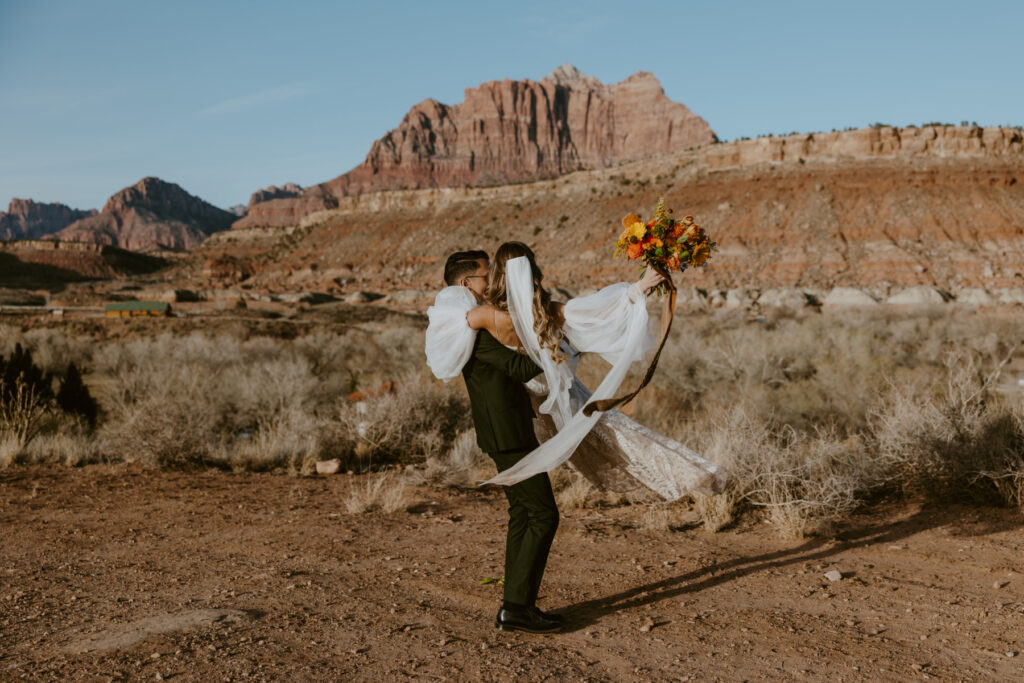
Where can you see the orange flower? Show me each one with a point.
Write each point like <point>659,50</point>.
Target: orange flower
<point>634,250</point>
<point>673,262</point>
<point>630,219</point>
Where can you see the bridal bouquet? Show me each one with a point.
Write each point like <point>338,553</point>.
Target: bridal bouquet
<point>664,243</point>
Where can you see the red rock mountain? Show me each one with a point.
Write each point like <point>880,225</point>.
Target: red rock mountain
<point>879,207</point>
<point>273,192</point>
<point>151,214</point>
<point>26,219</point>
<point>509,132</point>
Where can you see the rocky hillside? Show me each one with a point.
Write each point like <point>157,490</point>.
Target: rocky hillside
<point>509,132</point>
<point>26,219</point>
<point>49,263</point>
<point>152,214</point>
<point>881,208</point>
<point>273,192</point>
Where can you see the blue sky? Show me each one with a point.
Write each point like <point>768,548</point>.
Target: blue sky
<point>226,97</point>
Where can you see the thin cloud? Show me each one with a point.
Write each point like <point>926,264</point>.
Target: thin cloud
<point>257,99</point>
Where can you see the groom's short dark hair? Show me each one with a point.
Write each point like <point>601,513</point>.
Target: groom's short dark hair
<point>462,263</point>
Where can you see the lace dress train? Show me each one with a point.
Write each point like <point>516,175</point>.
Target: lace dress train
<point>621,455</point>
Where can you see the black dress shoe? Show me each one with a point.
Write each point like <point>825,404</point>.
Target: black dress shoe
<point>525,619</point>
<point>552,616</point>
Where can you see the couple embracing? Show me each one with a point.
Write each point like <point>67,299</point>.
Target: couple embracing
<point>496,325</point>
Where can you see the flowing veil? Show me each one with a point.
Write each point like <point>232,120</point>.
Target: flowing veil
<point>613,323</point>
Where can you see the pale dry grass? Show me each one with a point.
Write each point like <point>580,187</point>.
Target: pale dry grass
<point>386,492</point>
<point>23,413</point>
<point>10,449</point>
<point>464,466</point>
<point>68,444</point>
<point>665,517</point>
<point>573,491</point>
<point>715,512</point>
<point>289,440</point>
<point>943,438</point>
<point>810,414</point>
<point>413,424</point>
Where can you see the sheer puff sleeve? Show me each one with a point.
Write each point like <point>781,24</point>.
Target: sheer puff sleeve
<point>449,338</point>
<point>612,322</point>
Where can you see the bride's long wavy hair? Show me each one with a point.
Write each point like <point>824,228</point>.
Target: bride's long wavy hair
<point>547,327</point>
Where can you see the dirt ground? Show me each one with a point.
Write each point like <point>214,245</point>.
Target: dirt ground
<point>112,572</point>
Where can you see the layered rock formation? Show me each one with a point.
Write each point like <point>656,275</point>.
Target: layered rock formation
<point>273,192</point>
<point>509,132</point>
<point>874,142</point>
<point>876,208</point>
<point>26,219</point>
<point>45,263</point>
<point>152,214</point>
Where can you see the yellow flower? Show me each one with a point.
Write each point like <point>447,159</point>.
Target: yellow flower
<point>637,230</point>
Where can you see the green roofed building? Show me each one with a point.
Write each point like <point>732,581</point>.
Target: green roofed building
<point>125,309</point>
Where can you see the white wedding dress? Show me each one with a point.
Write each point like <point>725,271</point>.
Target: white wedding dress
<point>611,450</point>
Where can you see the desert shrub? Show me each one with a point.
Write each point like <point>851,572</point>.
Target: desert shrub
<point>384,491</point>
<point>795,476</point>
<point>572,489</point>
<point>67,443</point>
<point>953,437</point>
<point>409,425</point>
<point>74,397</point>
<point>290,440</point>
<point>26,400</point>
<point>463,466</point>
<point>664,517</point>
<point>23,411</point>
<point>53,349</point>
<point>19,366</point>
<point>170,425</point>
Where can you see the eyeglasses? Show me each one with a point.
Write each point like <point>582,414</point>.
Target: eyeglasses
<point>483,276</point>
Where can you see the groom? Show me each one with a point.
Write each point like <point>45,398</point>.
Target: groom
<point>503,416</point>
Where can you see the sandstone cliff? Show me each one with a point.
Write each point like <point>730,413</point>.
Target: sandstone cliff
<point>26,219</point>
<point>152,214</point>
<point>273,192</point>
<point>878,207</point>
<point>510,132</point>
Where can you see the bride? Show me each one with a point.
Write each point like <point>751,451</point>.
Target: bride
<point>609,449</point>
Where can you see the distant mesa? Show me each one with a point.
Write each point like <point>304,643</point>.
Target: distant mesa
<point>237,209</point>
<point>273,192</point>
<point>49,263</point>
<point>509,131</point>
<point>26,219</point>
<point>152,214</point>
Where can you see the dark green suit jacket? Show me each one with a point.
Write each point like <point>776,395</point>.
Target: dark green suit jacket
<point>502,413</point>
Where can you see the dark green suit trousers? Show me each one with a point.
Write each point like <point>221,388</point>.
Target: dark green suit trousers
<point>532,522</point>
<point>503,418</point>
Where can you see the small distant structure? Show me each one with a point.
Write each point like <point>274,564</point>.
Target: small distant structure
<point>129,309</point>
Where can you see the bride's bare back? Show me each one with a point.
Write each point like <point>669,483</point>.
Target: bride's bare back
<point>499,323</point>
